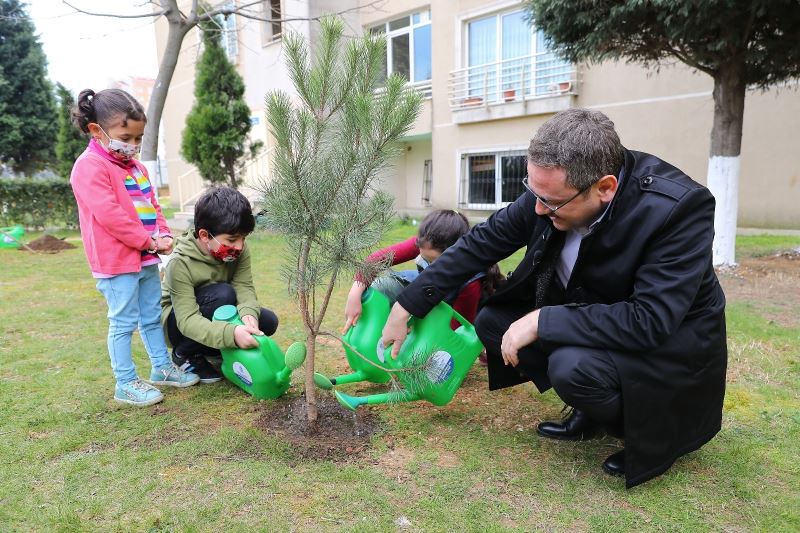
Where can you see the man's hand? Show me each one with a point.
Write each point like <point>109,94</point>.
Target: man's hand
<point>352,309</point>
<point>243,336</point>
<point>520,333</point>
<point>396,329</point>
<point>164,245</point>
<point>252,322</point>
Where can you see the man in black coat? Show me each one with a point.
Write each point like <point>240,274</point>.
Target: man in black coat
<point>615,305</point>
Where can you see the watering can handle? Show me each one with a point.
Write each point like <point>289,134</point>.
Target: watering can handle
<point>463,321</point>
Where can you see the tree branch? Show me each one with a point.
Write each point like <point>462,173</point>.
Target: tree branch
<point>144,15</point>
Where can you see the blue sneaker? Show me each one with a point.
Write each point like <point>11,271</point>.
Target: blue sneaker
<point>138,393</point>
<point>173,376</point>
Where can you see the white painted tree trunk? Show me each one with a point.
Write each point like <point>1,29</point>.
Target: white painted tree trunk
<point>723,182</point>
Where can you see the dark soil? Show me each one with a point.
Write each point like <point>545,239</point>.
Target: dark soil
<point>47,243</point>
<point>340,435</point>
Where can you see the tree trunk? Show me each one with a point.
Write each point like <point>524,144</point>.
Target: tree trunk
<point>177,31</point>
<point>311,390</point>
<point>724,159</point>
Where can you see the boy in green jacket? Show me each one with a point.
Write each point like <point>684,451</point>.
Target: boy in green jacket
<point>210,267</point>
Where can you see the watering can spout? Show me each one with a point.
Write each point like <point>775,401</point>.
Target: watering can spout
<point>354,402</point>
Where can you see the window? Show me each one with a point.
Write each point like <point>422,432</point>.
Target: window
<point>228,37</point>
<point>271,31</point>
<point>491,180</point>
<point>427,182</point>
<point>505,60</point>
<point>408,46</point>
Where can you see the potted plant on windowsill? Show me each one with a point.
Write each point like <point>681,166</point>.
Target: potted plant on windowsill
<point>509,95</point>
<point>472,100</point>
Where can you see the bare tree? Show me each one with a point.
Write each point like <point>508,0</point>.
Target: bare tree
<point>179,24</point>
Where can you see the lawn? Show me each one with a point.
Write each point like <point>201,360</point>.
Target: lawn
<point>74,460</point>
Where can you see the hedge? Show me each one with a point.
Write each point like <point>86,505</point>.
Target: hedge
<point>37,203</point>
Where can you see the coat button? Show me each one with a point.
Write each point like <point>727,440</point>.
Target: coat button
<point>646,182</point>
<point>429,292</point>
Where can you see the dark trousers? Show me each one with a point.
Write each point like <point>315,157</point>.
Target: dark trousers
<point>584,378</point>
<point>209,298</point>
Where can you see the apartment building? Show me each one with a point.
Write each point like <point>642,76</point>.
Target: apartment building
<point>489,81</point>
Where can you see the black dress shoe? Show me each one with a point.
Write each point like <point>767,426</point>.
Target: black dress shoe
<point>577,426</point>
<point>615,464</point>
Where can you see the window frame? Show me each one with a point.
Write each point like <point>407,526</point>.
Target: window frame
<point>464,178</point>
<point>268,35</point>
<point>383,29</point>
<point>497,85</point>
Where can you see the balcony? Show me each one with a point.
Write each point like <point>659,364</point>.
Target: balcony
<point>538,83</point>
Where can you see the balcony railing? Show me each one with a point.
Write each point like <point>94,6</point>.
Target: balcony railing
<point>530,77</point>
<point>424,87</point>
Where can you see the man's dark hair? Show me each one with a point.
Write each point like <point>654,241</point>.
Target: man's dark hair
<point>223,210</point>
<point>581,141</point>
<point>441,229</point>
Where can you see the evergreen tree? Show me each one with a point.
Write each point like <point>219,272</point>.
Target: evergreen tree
<point>70,142</point>
<point>27,107</point>
<point>329,150</point>
<point>216,137</point>
<point>739,43</point>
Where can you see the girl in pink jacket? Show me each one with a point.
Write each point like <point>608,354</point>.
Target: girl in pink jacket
<point>123,231</point>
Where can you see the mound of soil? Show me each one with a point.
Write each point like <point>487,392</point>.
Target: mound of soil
<point>339,436</point>
<point>48,243</point>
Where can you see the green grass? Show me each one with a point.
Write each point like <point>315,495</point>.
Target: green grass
<point>760,245</point>
<point>73,460</point>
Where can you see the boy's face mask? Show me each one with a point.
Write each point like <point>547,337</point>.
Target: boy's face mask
<point>421,263</point>
<point>119,149</point>
<point>224,252</point>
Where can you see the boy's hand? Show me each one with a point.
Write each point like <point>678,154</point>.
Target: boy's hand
<point>243,336</point>
<point>164,245</point>
<point>252,322</point>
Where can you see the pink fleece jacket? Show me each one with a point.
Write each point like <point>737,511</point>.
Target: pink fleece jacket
<point>113,234</point>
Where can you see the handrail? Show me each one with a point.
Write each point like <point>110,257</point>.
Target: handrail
<point>541,75</point>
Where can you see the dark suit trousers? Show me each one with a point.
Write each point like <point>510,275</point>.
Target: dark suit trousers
<point>209,298</point>
<point>584,378</point>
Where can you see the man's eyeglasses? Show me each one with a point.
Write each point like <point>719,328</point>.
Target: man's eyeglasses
<point>544,202</point>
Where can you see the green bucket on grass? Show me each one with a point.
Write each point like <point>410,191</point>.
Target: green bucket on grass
<point>11,237</point>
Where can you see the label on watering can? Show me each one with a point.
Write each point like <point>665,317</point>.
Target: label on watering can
<point>379,350</point>
<point>240,370</point>
<point>439,367</point>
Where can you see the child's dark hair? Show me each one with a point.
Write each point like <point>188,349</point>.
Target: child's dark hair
<point>105,107</point>
<point>441,229</point>
<point>223,210</point>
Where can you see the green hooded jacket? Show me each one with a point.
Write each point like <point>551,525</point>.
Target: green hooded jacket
<point>190,268</point>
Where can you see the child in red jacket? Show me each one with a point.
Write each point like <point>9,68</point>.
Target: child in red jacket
<point>123,231</point>
<point>438,231</point>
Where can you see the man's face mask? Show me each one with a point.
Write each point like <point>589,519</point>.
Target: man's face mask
<point>119,149</point>
<point>225,253</point>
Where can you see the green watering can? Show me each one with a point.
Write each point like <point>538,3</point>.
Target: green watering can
<point>11,237</point>
<point>433,360</point>
<point>263,372</point>
<point>365,337</point>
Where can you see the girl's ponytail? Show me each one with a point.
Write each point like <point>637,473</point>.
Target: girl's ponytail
<point>83,113</point>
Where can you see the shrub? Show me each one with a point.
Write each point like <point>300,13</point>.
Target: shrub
<point>37,203</point>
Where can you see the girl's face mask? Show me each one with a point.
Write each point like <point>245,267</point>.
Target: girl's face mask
<point>225,253</point>
<point>119,149</point>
